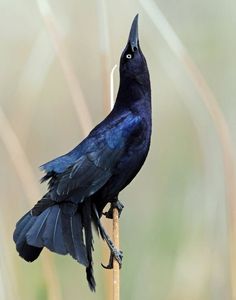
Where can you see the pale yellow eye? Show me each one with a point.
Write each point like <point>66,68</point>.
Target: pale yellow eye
<point>129,56</point>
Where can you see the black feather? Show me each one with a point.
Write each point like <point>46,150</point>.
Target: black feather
<point>34,235</point>
<point>42,204</point>
<point>87,223</point>
<point>73,237</point>
<point>29,253</point>
<point>52,236</point>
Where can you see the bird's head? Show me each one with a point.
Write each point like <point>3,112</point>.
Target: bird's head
<point>132,62</point>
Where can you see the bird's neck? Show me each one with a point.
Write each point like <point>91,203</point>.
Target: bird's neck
<point>132,90</point>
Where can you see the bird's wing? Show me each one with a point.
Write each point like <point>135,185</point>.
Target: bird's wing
<point>87,175</point>
<point>94,168</point>
<point>61,163</point>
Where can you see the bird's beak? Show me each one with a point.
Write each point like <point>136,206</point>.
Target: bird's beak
<point>133,35</point>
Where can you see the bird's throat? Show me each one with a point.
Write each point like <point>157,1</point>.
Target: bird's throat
<point>133,90</point>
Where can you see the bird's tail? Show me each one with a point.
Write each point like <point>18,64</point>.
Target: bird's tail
<point>62,229</point>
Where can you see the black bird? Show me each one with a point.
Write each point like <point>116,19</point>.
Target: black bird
<point>83,181</point>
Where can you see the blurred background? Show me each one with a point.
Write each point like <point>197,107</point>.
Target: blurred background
<point>56,57</point>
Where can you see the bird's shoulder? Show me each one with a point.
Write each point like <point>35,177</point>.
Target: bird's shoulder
<point>116,129</point>
<point>112,133</point>
<point>96,158</point>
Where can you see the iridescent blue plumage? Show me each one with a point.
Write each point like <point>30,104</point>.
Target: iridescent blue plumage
<point>83,181</point>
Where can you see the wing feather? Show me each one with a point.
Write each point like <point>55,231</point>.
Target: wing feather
<point>95,164</point>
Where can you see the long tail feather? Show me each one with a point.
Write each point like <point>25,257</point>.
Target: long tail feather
<point>61,228</point>
<point>29,253</point>
<point>53,236</point>
<point>87,223</point>
<point>73,237</point>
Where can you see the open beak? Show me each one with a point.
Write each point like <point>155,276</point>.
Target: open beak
<point>133,35</point>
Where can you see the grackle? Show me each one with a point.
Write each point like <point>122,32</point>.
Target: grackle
<point>83,181</point>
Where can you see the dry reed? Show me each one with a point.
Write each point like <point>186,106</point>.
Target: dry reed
<point>116,267</point>
<point>28,181</point>
<point>77,96</point>
<point>211,105</point>
<point>31,82</point>
<point>116,232</point>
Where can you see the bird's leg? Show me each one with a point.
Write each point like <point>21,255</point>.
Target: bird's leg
<point>109,214</point>
<point>114,204</point>
<point>115,253</point>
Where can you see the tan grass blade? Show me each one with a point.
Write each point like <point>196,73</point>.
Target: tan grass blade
<point>211,211</point>
<point>30,83</point>
<point>28,181</point>
<point>77,96</point>
<point>216,114</point>
<point>9,288</point>
<point>104,46</point>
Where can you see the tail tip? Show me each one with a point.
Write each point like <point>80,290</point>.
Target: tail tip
<point>90,279</point>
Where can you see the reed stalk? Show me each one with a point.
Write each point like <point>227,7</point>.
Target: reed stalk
<point>116,267</point>
<point>116,231</point>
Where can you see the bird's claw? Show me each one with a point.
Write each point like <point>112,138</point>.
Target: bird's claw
<point>118,255</point>
<point>116,204</point>
<point>108,267</point>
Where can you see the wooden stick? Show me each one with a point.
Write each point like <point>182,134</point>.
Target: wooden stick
<point>116,267</point>
<point>116,231</point>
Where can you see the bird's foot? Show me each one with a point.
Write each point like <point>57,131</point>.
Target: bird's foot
<point>118,255</point>
<point>114,204</point>
<point>115,253</point>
